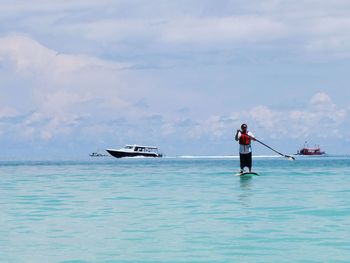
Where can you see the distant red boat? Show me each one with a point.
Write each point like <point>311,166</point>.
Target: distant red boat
<point>310,151</point>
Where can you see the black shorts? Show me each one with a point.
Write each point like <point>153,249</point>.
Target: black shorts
<point>245,160</point>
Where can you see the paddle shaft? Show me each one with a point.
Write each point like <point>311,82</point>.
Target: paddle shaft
<point>271,148</point>
<point>284,155</point>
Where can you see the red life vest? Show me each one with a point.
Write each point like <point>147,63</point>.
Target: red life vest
<point>244,139</point>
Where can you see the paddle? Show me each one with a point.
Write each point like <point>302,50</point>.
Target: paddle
<point>284,155</point>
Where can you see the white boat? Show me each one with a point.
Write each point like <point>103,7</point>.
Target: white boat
<point>135,150</point>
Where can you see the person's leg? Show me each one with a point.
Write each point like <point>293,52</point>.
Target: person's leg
<point>241,161</point>
<point>249,161</point>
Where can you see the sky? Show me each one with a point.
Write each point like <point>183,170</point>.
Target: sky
<point>83,76</point>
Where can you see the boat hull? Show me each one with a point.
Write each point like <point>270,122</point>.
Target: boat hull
<point>310,154</point>
<point>311,151</point>
<point>121,154</point>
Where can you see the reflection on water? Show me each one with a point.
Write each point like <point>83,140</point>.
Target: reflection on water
<point>244,197</point>
<point>245,182</point>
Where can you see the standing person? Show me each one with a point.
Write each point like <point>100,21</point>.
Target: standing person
<point>244,137</point>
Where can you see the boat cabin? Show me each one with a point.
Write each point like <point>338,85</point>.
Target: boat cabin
<point>138,148</point>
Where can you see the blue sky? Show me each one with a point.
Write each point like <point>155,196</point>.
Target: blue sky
<point>81,76</point>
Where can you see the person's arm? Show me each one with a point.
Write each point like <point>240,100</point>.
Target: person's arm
<point>251,135</point>
<point>237,135</point>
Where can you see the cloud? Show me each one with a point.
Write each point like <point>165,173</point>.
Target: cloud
<point>42,6</point>
<point>213,30</point>
<point>321,118</point>
<point>321,98</point>
<point>143,27</point>
<point>61,88</point>
<point>30,57</point>
<point>329,33</point>
<point>160,34</point>
<point>215,126</point>
<point>7,112</point>
<point>40,126</point>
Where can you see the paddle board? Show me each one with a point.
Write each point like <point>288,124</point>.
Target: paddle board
<point>247,174</point>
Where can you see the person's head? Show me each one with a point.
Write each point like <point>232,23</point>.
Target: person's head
<point>244,127</point>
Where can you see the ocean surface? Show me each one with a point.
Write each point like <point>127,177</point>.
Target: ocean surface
<point>175,210</point>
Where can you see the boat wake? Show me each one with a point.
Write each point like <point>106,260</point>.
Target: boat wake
<point>220,156</point>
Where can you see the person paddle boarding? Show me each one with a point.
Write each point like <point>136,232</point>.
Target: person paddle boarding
<point>244,138</point>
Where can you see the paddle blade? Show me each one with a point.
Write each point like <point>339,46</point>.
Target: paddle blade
<point>290,158</point>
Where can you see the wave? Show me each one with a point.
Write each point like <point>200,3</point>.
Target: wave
<point>221,156</point>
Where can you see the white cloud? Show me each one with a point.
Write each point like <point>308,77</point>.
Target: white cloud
<point>231,29</point>
<point>265,117</point>
<point>329,33</point>
<point>61,87</point>
<point>36,6</point>
<point>309,27</point>
<point>28,56</point>
<point>6,112</point>
<point>66,89</point>
<point>320,119</point>
<point>167,34</point>
<point>116,30</point>
<point>322,102</point>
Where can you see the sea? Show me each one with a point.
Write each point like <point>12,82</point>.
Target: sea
<point>181,209</point>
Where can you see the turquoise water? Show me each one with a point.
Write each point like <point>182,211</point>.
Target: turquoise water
<point>175,210</point>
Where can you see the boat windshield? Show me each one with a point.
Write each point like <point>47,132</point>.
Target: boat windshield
<point>129,147</point>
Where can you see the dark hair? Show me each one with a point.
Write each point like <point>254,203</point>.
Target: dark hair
<point>244,126</point>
